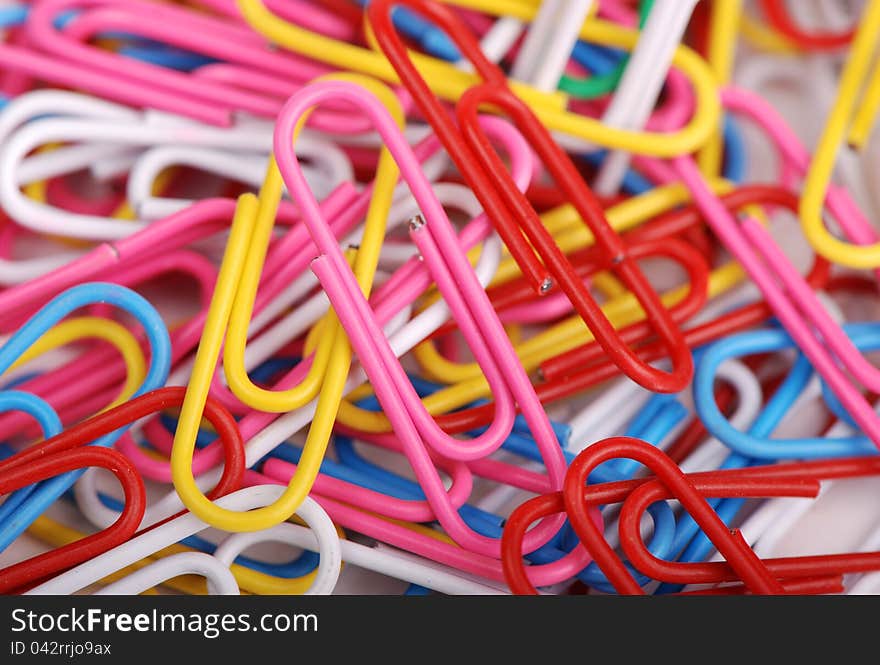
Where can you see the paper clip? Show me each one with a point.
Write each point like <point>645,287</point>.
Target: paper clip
<point>202,219</point>
<point>676,221</point>
<point>368,339</point>
<point>656,424</point>
<point>48,316</point>
<point>412,279</point>
<point>466,376</point>
<point>864,336</point>
<point>450,82</point>
<point>105,84</point>
<point>188,29</point>
<point>15,477</point>
<point>250,575</point>
<point>808,474</point>
<point>107,129</point>
<point>388,561</point>
<point>428,543</point>
<point>433,211</point>
<point>642,81</point>
<point>781,21</point>
<point>788,402</point>
<point>228,448</point>
<point>517,303</point>
<point>232,306</point>
<point>220,578</point>
<point>851,118</point>
<point>587,367</point>
<point>103,386</point>
<point>329,168</point>
<point>367,486</point>
<point>753,247</point>
<point>548,43</point>
<point>51,456</point>
<point>750,405</point>
<point>772,521</point>
<point>246,76</point>
<point>573,502</point>
<point>103,369</point>
<point>172,531</point>
<point>502,201</point>
<point>604,66</point>
<point>377,558</point>
<point>707,452</point>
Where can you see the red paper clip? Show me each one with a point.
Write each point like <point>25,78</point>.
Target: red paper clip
<point>513,216</point>
<point>585,367</point>
<point>573,362</point>
<point>69,450</point>
<point>18,473</point>
<point>719,571</point>
<point>579,500</point>
<point>816,41</point>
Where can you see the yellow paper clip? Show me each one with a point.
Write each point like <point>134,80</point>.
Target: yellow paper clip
<point>851,119</point>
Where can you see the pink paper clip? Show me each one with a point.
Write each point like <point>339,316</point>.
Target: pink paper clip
<point>79,65</point>
<point>792,299</point>
<point>390,383</point>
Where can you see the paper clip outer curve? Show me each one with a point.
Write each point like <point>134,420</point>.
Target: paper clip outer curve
<point>16,475</point>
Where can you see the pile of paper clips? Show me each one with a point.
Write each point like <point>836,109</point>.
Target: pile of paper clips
<point>456,296</point>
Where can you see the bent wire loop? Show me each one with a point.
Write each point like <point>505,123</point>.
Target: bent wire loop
<point>808,474</point>
<point>575,371</point>
<point>160,87</point>
<point>786,292</point>
<point>574,502</point>
<point>850,119</point>
<point>511,213</point>
<point>467,378</point>
<point>73,448</point>
<point>15,474</point>
<point>246,76</point>
<point>332,359</point>
<point>451,271</point>
<point>805,574</point>
<point>172,531</point>
<point>160,357</point>
<point>779,17</point>
<point>450,82</point>
<point>570,362</point>
<point>864,336</point>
